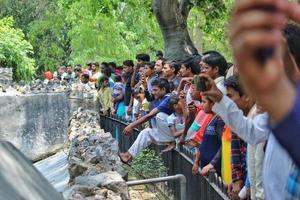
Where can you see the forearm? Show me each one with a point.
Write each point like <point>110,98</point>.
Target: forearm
<point>178,134</point>
<point>132,82</point>
<point>131,102</point>
<point>118,98</point>
<point>188,122</point>
<point>197,157</point>
<point>180,86</point>
<point>144,118</point>
<point>253,131</point>
<point>173,130</point>
<point>217,158</point>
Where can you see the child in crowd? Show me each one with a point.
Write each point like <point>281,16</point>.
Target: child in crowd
<point>210,146</point>
<point>196,130</point>
<point>176,119</point>
<point>106,71</point>
<point>118,97</point>
<point>143,106</point>
<point>105,95</point>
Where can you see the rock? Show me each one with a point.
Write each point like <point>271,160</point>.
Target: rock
<point>79,192</point>
<point>109,180</point>
<point>95,168</point>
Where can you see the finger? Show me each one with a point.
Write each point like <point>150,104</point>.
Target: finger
<point>210,82</point>
<point>208,78</point>
<point>244,5</point>
<point>250,41</point>
<point>209,93</point>
<point>256,19</point>
<point>294,12</point>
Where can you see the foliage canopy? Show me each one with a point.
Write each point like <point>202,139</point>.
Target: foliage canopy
<point>79,31</point>
<point>15,51</point>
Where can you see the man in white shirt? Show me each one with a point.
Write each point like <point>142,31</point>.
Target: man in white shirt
<point>277,163</point>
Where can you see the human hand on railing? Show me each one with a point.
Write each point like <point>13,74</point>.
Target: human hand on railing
<point>182,140</point>
<point>205,170</point>
<point>129,110</point>
<point>128,130</point>
<point>236,188</point>
<point>113,111</point>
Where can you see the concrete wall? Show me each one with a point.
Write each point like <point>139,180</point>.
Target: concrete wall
<point>35,123</point>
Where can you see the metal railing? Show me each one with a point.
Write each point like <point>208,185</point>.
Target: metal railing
<point>178,161</point>
<point>180,177</point>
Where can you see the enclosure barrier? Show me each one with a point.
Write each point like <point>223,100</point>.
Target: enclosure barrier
<point>178,161</point>
<point>179,177</point>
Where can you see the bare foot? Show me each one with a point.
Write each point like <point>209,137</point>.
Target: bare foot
<point>169,147</point>
<point>125,157</point>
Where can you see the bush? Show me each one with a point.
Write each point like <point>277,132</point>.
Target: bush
<point>15,51</point>
<point>149,164</point>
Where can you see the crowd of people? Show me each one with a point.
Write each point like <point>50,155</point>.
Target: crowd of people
<point>241,119</point>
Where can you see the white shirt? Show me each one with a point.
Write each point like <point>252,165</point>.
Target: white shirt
<point>277,163</point>
<point>220,84</point>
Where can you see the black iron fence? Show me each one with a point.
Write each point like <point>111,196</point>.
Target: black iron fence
<point>178,161</point>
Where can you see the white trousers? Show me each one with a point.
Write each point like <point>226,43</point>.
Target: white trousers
<point>255,165</point>
<point>155,135</point>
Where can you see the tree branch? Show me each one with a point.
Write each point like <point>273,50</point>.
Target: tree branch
<point>185,6</point>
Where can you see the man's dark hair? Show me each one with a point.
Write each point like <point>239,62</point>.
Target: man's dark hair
<point>119,67</point>
<point>97,64</point>
<point>155,82</point>
<point>128,63</point>
<point>292,35</point>
<point>162,59</point>
<point>215,59</point>
<point>150,64</point>
<point>192,64</point>
<point>164,83</point>
<point>234,83</point>
<point>107,71</point>
<point>69,65</point>
<point>143,57</point>
<point>86,76</point>
<point>112,64</point>
<point>105,64</point>
<point>78,66</point>
<point>160,54</point>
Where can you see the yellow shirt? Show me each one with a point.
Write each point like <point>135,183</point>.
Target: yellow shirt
<point>105,98</point>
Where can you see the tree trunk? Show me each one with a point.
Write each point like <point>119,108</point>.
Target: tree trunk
<point>196,35</point>
<point>172,19</point>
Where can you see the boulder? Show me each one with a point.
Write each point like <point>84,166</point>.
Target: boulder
<point>95,168</point>
<point>100,184</point>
